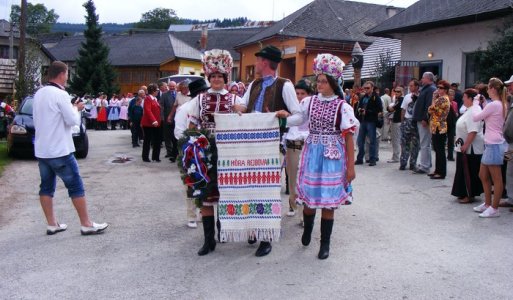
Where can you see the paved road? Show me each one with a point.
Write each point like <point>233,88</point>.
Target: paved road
<point>405,237</point>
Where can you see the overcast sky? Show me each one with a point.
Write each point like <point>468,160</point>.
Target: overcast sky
<point>127,11</point>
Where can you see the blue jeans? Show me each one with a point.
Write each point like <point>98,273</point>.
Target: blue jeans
<point>66,168</point>
<point>367,129</point>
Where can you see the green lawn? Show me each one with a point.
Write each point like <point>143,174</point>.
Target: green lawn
<point>4,159</point>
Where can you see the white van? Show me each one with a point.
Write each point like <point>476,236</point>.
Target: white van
<point>179,78</point>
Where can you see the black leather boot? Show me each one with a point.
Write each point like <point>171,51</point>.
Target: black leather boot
<point>307,230</point>
<point>209,232</point>
<point>326,228</point>
<point>218,226</point>
<point>264,249</point>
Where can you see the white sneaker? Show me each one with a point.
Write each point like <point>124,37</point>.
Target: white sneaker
<point>480,208</point>
<point>95,229</point>
<point>490,212</point>
<point>291,212</point>
<point>192,224</point>
<point>55,229</point>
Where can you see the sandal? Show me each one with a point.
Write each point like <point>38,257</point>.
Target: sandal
<point>465,200</point>
<point>437,176</point>
<point>431,174</point>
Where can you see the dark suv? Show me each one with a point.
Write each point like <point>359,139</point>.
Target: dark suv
<point>21,135</point>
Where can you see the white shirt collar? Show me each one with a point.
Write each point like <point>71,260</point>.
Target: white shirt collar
<point>322,98</point>
<point>222,92</point>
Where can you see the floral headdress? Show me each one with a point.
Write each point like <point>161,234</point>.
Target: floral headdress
<point>217,61</point>
<point>328,64</point>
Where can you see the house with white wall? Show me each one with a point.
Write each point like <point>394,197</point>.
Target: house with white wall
<point>442,36</point>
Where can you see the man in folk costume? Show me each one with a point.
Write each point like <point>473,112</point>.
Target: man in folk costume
<point>199,114</point>
<point>271,93</point>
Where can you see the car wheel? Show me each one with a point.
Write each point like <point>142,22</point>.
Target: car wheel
<point>84,148</point>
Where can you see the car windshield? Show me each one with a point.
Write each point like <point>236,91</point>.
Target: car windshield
<point>26,107</point>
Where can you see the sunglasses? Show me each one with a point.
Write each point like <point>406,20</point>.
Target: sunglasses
<point>367,88</point>
<point>398,91</point>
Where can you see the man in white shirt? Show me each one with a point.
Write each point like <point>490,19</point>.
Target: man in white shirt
<point>410,145</point>
<point>271,93</point>
<point>54,116</point>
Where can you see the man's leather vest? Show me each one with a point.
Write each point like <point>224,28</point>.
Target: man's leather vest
<point>273,98</point>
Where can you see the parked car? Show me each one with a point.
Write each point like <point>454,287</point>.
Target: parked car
<point>21,135</point>
<point>179,78</point>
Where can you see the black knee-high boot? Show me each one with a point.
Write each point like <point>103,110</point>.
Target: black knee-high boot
<point>218,226</point>
<point>307,230</point>
<point>208,231</point>
<point>326,228</point>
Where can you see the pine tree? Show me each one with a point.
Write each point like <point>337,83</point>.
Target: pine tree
<point>93,72</point>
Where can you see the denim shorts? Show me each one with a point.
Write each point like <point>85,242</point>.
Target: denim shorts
<point>66,168</point>
<point>493,154</point>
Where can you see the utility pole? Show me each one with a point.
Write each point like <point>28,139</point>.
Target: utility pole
<point>11,41</point>
<point>21,49</point>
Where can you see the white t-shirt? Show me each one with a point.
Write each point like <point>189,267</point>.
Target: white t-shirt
<point>408,109</point>
<point>464,126</point>
<point>54,116</point>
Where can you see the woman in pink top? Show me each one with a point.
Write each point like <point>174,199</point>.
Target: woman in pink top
<point>493,115</point>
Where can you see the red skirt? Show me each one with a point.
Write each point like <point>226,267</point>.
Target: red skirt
<point>102,115</point>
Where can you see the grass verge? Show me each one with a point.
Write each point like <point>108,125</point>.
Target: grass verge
<point>4,159</point>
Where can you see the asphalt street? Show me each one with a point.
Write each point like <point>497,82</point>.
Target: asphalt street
<point>404,237</point>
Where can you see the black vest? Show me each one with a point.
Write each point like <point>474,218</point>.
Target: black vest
<point>273,98</point>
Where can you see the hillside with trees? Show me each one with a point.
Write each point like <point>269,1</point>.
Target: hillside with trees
<point>119,28</point>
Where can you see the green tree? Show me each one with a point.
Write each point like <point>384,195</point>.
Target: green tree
<point>27,84</point>
<point>384,68</point>
<point>158,18</point>
<point>496,60</point>
<point>93,73</point>
<point>39,18</point>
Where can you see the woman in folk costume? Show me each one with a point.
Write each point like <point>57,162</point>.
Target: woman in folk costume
<point>93,113</point>
<point>123,111</point>
<point>217,65</point>
<point>102,112</point>
<point>326,166</point>
<point>114,111</point>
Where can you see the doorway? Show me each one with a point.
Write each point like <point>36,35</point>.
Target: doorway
<point>434,67</point>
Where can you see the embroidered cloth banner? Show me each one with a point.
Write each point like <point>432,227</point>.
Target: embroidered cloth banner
<point>248,175</point>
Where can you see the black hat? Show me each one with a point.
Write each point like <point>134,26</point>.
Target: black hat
<point>197,86</point>
<point>303,85</point>
<point>270,52</point>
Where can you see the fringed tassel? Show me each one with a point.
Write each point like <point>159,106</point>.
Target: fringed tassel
<point>243,235</point>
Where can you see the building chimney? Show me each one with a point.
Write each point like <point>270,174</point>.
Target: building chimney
<point>204,38</point>
<point>392,11</point>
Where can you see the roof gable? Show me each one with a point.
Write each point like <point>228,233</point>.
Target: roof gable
<point>336,20</point>
<point>371,57</point>
<point>426,14</point>
<point>183,50</point>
